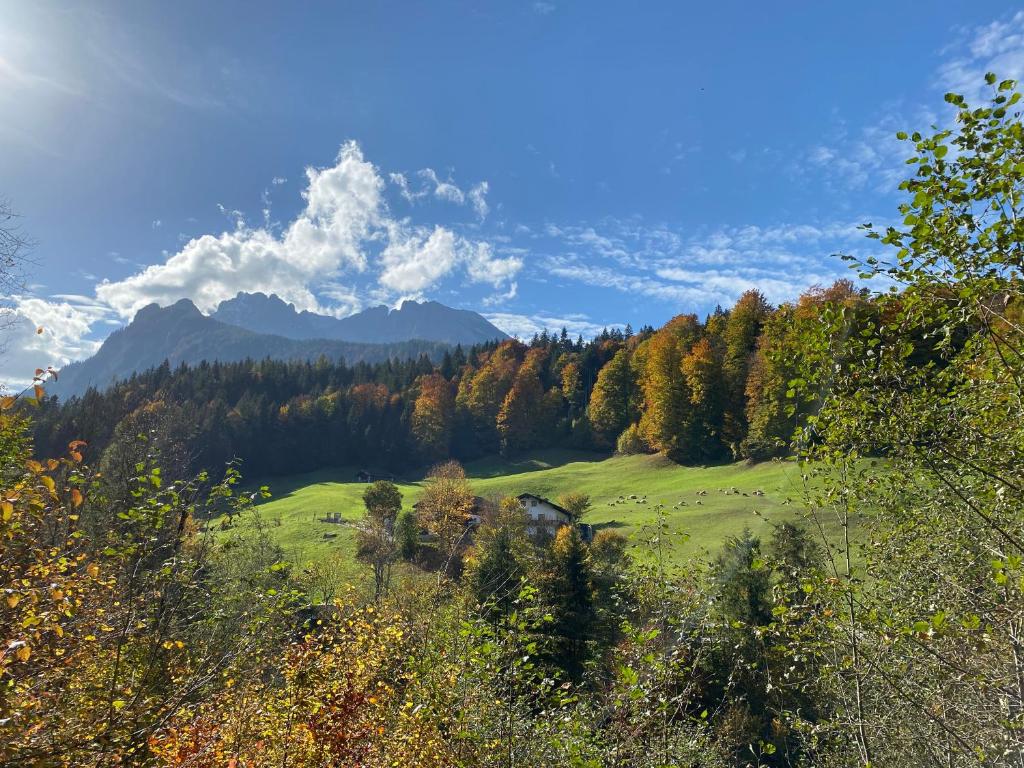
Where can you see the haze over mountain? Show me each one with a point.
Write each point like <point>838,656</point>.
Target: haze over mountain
<point>181,333</point>
<point>426,321</point>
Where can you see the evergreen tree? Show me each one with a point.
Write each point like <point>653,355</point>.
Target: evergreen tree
<point>502,555</point>
<point>568,591</point>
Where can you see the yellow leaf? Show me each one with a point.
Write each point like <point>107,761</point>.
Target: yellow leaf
<point>50,485</point>
<point>93,570</point>
<point>76,497</point>
<point>13,600</point>
<point>6,510</point>
<point>23,652</point>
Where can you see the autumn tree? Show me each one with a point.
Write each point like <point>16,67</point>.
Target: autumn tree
<point>482,393</point>
<point>433,416</point>
<point>612,403</point>
<point>742,329</point>
<point>444,508</point>
<point>798,344</point>
<point>702,370</point>
<point>668,415</point>
<point>576,502</point>
<point>573,388</point>
<point>519,419</point>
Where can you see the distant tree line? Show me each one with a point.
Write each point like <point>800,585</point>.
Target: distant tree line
<point>697,392</point>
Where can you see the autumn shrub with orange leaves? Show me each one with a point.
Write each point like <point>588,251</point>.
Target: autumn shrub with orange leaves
<point>325,699</point>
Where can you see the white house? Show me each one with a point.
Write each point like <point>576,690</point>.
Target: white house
<point>545,517</point>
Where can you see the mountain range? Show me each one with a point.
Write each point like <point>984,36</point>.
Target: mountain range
<point>426,321</point>
<point>257,326</point>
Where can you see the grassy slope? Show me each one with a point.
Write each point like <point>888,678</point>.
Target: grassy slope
<point>301,501</point>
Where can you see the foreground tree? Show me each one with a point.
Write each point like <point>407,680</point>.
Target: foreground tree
<point>927,657</point>
<point>567,589</point>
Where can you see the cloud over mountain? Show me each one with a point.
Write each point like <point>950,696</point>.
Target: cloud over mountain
<point>345,231</point>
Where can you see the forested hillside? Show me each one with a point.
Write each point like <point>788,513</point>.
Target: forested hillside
<point>696,391</point>
<point>148,618</point>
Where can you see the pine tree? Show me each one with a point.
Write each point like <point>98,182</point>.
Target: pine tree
<point>568,591</point>
<point>501,561</point>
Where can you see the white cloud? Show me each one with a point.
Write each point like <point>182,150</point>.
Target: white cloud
<point>872,158</point>
<point>442,189</point>
<point>478,197</point>
<point>346,219</point>
<point>781,260</point>
<point>417,258</point>
<point>414,261</point>
<point>344,230</point>
<point>65,323</point>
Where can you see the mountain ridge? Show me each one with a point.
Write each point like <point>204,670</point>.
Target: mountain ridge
<point>180,333</point>
<point>425,321</point>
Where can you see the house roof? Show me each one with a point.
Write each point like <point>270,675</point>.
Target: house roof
<point>549,502</point>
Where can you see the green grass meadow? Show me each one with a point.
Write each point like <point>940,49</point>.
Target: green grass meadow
<point>708,504</point>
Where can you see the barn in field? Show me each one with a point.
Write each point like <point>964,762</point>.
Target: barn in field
<point>366,476</point>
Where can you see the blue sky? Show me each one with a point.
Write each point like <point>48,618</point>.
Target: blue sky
<point>545,163</point>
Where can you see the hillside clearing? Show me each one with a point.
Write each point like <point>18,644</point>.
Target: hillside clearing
<point>708,504</point>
